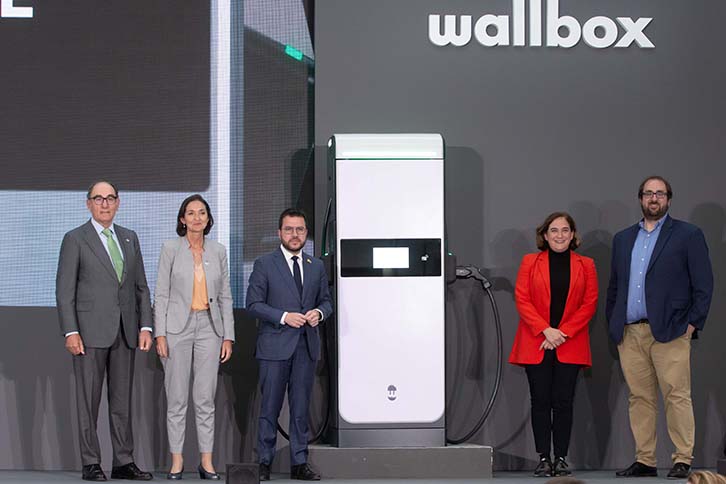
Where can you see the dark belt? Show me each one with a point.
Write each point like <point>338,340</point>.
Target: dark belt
<point>640,321</point>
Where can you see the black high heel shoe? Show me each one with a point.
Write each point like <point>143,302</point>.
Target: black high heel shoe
<point>203,474</point>
<point>175,476</point>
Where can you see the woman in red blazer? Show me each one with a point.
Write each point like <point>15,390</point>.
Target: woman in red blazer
<point>556,296</point>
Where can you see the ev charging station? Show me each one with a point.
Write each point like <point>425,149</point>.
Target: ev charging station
<point>389,342</point>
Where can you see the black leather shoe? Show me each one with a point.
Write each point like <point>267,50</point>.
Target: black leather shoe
<point>130,472</point>
<point>544,468</point>
<point>680,470</point>
<point>561,468</point>
<point>93,472</point>
<point>175,476</point>
<point>304,472</point>
<point>638,470</point>
<point>203,474</point>
<point>264,472</point>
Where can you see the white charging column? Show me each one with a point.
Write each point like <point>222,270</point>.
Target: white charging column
<point>390,289</point>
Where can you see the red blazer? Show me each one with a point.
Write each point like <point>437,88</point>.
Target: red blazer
<point>532,295</point>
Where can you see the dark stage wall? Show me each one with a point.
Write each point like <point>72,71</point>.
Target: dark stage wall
<point>530,130</point>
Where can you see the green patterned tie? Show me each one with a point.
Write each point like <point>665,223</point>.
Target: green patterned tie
<point>118,261</point>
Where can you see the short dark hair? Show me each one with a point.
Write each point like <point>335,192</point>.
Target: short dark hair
<point>669,190</point>
<point>181,229</point>
<point>544,226</point>
<point>93,185</point>
<point>292,212</point>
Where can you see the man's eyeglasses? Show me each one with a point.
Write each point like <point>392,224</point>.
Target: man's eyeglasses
<point>98,199</point>
<point>297,230</point>
<point>660,195</point>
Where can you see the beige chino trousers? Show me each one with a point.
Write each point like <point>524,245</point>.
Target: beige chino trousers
<point>648,365</point>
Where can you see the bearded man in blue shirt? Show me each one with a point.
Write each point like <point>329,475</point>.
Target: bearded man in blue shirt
<point>658,298</point>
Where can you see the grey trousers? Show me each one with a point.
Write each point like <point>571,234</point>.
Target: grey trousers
<point>197,347</point>
<point>117,364</point>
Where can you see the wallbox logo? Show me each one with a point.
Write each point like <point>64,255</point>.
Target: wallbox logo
<point>8,10</point>
<point>561,31</point>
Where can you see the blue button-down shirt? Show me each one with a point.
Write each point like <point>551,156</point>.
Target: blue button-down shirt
<point>639,260</point>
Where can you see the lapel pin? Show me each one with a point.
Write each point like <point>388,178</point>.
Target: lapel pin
<point>308,261</point>
<point>127,240</point>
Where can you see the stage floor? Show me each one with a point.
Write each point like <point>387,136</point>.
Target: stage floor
<point>591,477</point>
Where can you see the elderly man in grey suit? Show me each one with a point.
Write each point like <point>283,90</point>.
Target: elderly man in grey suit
<point>104,310</point>
<point>288,294</point>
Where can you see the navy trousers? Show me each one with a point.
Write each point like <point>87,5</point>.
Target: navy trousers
<point>295,374</point>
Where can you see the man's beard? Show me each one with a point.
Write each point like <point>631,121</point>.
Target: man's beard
<point>286,245</point>
<point>654,215</point>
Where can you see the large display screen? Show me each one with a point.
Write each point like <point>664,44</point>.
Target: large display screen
<point>94,90</point>
<point>149,94</point>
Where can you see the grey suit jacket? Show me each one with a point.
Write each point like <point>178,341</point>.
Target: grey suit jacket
<point>89,296</point>
<point>174,286</point>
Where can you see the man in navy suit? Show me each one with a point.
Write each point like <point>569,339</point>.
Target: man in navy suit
<point>288,294</point>
<point>659,295</point>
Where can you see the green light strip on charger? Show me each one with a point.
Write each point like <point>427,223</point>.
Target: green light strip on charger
<point>293,52</point>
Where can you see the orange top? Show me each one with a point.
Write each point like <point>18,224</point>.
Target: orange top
<point>200,299</point>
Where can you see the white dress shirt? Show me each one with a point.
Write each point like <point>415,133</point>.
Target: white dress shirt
<point>99,229</point>
<point>288,258</point>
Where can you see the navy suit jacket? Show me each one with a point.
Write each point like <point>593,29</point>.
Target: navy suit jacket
<point>272,291</point>
<point>678,282</point>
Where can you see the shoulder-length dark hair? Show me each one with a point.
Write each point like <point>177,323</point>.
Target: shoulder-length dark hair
<point>181,229</point>
<point>542,230</point>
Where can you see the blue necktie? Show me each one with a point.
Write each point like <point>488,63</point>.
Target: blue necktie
<point>296,274</point>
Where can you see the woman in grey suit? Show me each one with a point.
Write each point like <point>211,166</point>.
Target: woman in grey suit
<point>194,328</point>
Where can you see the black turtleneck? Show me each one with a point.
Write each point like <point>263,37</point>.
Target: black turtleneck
<point>559,284</point>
